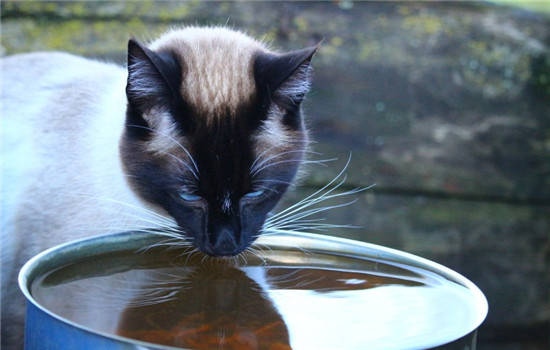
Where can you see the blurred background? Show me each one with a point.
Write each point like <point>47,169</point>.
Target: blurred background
<point>445,106</point>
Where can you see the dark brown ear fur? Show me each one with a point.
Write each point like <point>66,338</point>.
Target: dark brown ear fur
<point>284,75</point>
<point>153,77</point>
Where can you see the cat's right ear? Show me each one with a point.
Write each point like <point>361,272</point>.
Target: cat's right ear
<point>153,77</point>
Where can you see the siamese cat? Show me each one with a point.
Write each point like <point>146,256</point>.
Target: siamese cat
<point>199,137</point>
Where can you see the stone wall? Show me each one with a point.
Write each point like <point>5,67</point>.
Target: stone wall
<point>445,106</point>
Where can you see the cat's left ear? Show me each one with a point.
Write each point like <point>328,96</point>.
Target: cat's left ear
<point>286,77</point>
<point>153,77</point>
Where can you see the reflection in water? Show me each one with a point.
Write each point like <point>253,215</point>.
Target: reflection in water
<point>325,303</point>
<point>221,308</point>
<point>224,307</point>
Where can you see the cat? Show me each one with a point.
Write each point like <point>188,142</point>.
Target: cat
<point>199,137</point>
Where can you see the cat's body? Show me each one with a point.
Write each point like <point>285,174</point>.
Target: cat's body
<point>206,138</point>
<point>61,167</point>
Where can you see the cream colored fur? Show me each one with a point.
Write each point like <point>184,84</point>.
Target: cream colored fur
<point>62,118</point>
<point>222,61</point>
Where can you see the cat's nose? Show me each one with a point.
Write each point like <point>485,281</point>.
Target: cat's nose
<point>225,243</point>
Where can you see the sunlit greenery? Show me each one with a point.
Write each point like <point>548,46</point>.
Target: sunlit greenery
<point>539,6</point>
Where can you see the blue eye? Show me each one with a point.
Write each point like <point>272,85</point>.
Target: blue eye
<point>254,194</point>
<point>188,197</point>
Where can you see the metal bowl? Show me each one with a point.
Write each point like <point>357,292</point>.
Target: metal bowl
<point>401,314</point>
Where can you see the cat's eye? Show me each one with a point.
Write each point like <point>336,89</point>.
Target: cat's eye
<point>254,194</point>
<point>188,197</point>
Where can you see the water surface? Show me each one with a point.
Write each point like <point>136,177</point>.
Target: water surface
<point>290,300</point>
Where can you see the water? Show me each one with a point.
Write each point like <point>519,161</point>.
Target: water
<point>283,300</point>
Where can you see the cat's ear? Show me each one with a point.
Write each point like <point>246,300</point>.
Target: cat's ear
<point>153,77</point>
<point>287,76</point>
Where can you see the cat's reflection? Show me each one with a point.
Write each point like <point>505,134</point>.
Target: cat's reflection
<point>220,307</point>
<point>212,304</point>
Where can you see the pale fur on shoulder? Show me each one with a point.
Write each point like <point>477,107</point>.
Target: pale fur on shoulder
<point>62,117</point>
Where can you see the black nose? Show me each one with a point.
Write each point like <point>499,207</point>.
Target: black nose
<point>224,242</point>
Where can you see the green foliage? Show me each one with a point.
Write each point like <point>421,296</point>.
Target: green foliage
<point>542,6</point>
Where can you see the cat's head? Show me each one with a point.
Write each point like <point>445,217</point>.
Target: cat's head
<point>214,131</point>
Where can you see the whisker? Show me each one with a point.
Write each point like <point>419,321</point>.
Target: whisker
<point>301,161</point>
<point>242,256</point>
<point>169,243</point>
<point>194,171</point>
<point>272,181</point>
<point>140,219</point>
<point>193,251</point>
<point>304,203</point>
<point>257,167</point>
<point>296,218</point>
<point>184,163</point>
<point>275,146</point>
<point>316,193</point>
<point>257,187</point>
<point>300,211</point>
<point>257,252</point>
<point>165,224</point>
<point>140,209</point>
